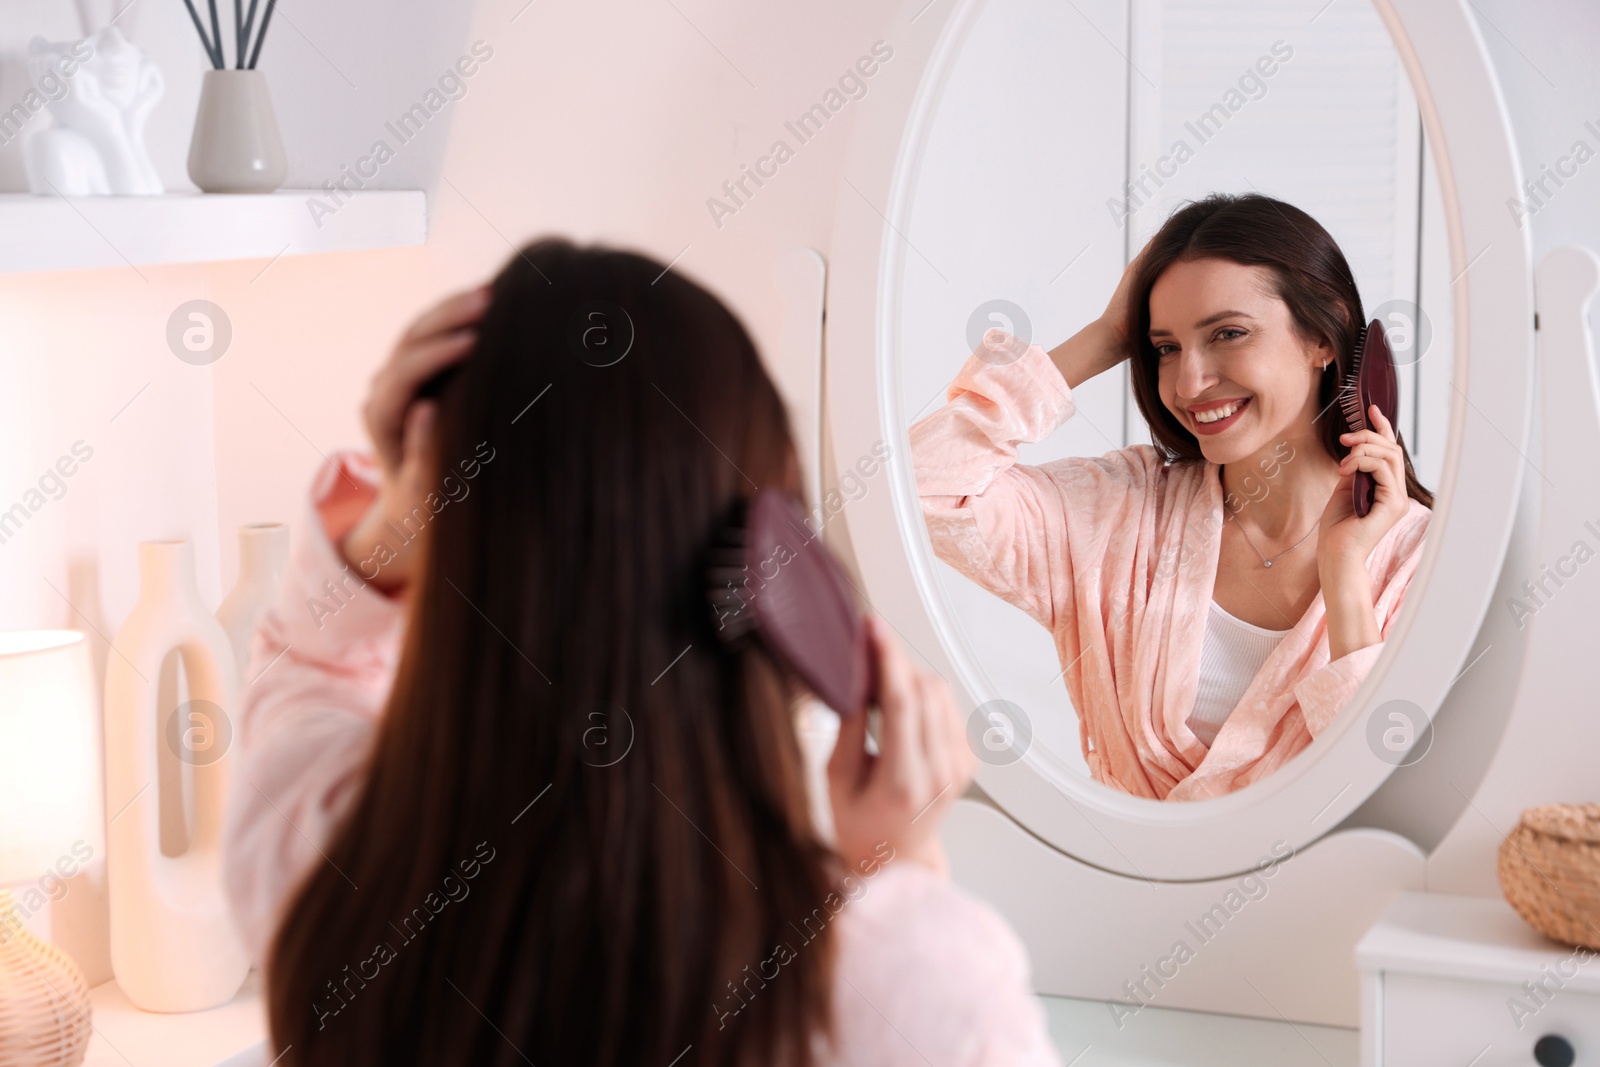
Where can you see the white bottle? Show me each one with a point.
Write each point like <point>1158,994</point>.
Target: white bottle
<point>263,553</point>
<point>174,945</point>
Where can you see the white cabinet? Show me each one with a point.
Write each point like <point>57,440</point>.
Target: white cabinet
<point>1457,981</point>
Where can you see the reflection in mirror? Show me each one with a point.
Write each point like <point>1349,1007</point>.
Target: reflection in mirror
<point>1134,478</point>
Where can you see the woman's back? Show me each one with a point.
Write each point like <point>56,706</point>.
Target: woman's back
<point>626,791</point>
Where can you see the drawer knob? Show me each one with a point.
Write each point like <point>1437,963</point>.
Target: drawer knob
<point>1552,1050</point>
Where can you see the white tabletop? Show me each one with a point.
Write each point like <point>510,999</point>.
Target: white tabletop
<point>1469,937</point>
<point>124,1036</point>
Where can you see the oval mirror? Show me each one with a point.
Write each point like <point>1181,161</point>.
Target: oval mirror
<point>1144,691</point>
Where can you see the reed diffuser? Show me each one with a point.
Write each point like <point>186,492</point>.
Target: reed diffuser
<point>235,147</point>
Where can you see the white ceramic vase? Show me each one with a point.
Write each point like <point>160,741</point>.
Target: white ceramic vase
<point>174,945</point>
<point>235,147</point>
<point>263,553</point>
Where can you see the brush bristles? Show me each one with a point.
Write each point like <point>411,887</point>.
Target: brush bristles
<point>1350,393</point>
<point>728,585</point>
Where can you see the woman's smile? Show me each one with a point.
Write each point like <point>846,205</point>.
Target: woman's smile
<point>1206,420</point>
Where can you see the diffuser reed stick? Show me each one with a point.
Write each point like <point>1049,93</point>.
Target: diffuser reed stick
<point>244,36</point>
<point>216,31</point>
<point>211,51</point>
<point>244,29</point>
<point>266,17</point>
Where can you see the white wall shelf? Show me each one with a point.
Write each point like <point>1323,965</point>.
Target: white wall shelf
<point>44,233</point>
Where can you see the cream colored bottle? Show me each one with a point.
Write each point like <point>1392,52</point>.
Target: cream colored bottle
<point>174,944</point>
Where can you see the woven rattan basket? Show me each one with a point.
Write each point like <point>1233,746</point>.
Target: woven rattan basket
<point>1550,871</point>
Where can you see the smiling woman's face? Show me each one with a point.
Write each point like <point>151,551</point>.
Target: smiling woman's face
<point>1227,343</point>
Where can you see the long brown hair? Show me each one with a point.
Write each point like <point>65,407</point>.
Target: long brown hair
<point>583,822</point>
<point>1309,274</point>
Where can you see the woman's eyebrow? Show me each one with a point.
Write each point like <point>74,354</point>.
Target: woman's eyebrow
<point>1207,321</point>
<point>1219,316</point>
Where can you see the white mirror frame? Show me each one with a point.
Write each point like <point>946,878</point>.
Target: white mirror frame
<point>1467,125</point>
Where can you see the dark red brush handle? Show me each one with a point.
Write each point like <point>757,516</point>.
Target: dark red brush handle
<point>1375,384</point>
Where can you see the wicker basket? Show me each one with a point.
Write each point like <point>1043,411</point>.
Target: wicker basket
<point>1550,871</point>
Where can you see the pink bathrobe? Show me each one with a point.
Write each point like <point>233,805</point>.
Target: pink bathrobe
<point>926,974</point>
<point>1117,555</point>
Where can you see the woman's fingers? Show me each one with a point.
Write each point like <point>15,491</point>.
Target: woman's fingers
<point>901,743</point>
<point>440,336</point>
<point>1383,451</point>
<point>1382,423</point>
<point>415,361</point>
<point>417,445</point>
<point>1393,452</point>
<point>897,797</point>
<point>1387,472</point>
<point>396,384</point>
<point>847,767</point>
<point>936,762</point>
<point>945,760</point>
<point>1369,437</point>
<point>966,759</point>
<point>1380,441</point>
<point>451,313</point>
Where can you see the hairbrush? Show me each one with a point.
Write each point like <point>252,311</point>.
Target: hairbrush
<point>1371,380</point>
<point>771,579</point>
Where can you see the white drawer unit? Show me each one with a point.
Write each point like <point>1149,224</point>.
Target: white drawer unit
<point>1453,981</point>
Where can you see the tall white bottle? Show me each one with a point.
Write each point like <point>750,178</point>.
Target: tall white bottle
<point>263,553</point>
<point>174,945</point>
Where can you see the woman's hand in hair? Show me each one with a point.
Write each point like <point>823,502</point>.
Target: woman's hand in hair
<point>889,805</point>
<point>1115,316</point>
<point>401,427</point>
<point>1344,541</point>
<point>1102,344</point>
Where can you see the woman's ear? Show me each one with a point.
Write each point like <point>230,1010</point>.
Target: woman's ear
<point>1322,357</point>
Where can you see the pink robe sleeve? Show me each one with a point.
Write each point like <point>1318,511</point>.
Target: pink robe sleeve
<point>987,516</point>
<point>319,674</point>
<point>1327,690</point>
<point>928,976</point>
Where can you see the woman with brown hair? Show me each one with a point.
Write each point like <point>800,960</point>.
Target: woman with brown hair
<point>1214,598</point>
<point>504,796</point>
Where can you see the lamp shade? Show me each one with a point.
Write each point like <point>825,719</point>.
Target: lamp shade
<point>50,795</point>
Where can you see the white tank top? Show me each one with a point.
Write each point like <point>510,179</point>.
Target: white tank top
<point>1230,657</point>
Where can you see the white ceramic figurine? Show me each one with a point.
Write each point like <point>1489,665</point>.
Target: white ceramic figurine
<point>99,90</point>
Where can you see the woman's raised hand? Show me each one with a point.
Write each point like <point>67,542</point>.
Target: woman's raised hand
<point>889,805</point>
<point>1344,541</point>
<point>1103,343</point>
<point>440,336</point>
<point>401,428</point>
<point>1115,316</point>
